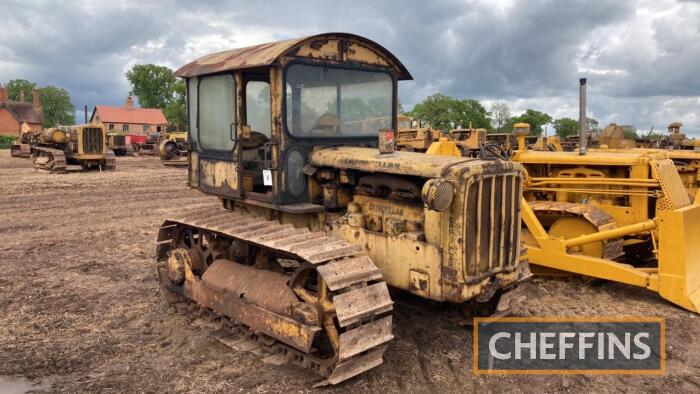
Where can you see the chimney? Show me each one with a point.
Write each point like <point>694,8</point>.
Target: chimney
<point>36,99</point>
<point>129,103</point>
<point>21,96</point>
<point>3,93</point>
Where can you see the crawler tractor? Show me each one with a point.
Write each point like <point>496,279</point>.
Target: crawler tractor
<point>316,223</point>
<point>619,216</point>
<point>173,147</point>
<point>116,142</point>
<point>22,147</point>
<point>71,148</point>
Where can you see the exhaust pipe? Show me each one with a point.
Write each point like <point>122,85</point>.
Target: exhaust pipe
<point>582,137</point>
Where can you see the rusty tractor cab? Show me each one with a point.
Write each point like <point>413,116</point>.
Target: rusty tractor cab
<point>317,221</point>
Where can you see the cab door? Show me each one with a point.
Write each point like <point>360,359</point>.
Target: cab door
<point>212,106</point>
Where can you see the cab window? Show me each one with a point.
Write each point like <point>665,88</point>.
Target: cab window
<point>257,98</point>
<point>216,109</point>
<point>192,107</point>
<point>325,101</point>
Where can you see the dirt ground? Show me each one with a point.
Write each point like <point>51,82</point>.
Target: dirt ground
<point>80,308</point>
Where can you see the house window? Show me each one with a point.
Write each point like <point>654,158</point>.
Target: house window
<point>146,128</point>
<point>125,127</point>
<point>111,126</point>
<point>158,129</point>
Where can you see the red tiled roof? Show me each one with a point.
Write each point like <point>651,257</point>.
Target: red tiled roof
<point>23,112</point>
<point>112,114</point>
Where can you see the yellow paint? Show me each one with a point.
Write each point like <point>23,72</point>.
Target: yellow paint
<point>444,148</point>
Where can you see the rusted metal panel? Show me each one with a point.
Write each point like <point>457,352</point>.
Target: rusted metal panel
<point>369,160</point>
<point>352,306</point>
<point>341,47</point>
<point>266,289</point>
<point>365,337</point>
<point>256,318</point>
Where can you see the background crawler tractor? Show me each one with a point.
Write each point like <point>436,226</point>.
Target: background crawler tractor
<point>316,223</point>
<point>70,148</point>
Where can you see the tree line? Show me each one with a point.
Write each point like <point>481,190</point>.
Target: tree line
<point>57,107</point>
<point>445,113</point>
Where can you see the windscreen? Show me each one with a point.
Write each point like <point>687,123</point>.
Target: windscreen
<point>323,101</point>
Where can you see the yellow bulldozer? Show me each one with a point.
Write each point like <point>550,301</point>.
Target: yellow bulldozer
<point>684,152</point>
<point>414,139</point>
<point>68,148</point>
<point>116,142</point>
<point>316,223</point>
<point>621,216</point>
<point>173,146</point>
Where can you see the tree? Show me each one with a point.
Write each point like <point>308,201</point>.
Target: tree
<point>156,87</point>
<point>565,127</point>
<point>535,119</point>
<point>57,106</point>
<point>444,113</point>
<point>16,86</point>
<point>500,114</point>
<point>176,110</point>
<point>630,132</point>
<point>592,125</point>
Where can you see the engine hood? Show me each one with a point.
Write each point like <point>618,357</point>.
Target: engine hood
<point>402,163</point>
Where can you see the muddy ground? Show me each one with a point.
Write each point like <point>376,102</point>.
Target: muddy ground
<point>80,308</point>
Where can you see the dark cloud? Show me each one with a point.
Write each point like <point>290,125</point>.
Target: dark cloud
<point>640,56</point>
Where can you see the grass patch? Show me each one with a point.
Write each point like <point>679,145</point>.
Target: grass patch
<point>6,141</point>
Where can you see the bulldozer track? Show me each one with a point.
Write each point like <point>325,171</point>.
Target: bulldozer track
<point>49,160</point>
<point>358,325</point>
<point>597,217</point>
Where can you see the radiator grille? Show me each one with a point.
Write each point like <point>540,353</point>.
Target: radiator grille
<point>492,223</point>
<point>92,140</point>
<point>119,140</point>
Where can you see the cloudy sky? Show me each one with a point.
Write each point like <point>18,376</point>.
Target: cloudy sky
<point>641,57</point>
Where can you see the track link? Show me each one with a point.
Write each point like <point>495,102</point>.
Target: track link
<point>49,160</point>
<point>357,324</point>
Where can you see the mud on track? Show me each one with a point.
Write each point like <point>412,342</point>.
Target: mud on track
<point>80,309</point>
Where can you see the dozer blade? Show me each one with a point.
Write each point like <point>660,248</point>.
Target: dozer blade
<point>678,277</point>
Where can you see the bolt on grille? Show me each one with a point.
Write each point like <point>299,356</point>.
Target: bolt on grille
<point>92,140</point>
<point>492,223</point>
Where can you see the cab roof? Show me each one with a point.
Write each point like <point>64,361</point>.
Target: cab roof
<point>270,53</point>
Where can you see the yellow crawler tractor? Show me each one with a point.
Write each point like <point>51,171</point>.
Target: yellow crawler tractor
<point>317,223</point>
<point>22,147</point>
<point>72,148</point>
<point>414,139</point>
<point>620,216</point>
<point>683,152</point>
<point>116,142</point>
<point>173,147</point>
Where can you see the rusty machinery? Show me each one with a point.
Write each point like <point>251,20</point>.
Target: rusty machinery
<point>414,139</point>
<point>316,223</point>
<point>22,147</point>
<point>622,216</point>
<point>70,148</point>
<point>173,147</point>
<point>684,152</point>
<point>116,142</point>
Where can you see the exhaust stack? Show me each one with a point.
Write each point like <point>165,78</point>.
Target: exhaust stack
<point>582,135</point>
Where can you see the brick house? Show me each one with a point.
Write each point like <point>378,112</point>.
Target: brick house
<point>129,119</point>
<point>14,113</point>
